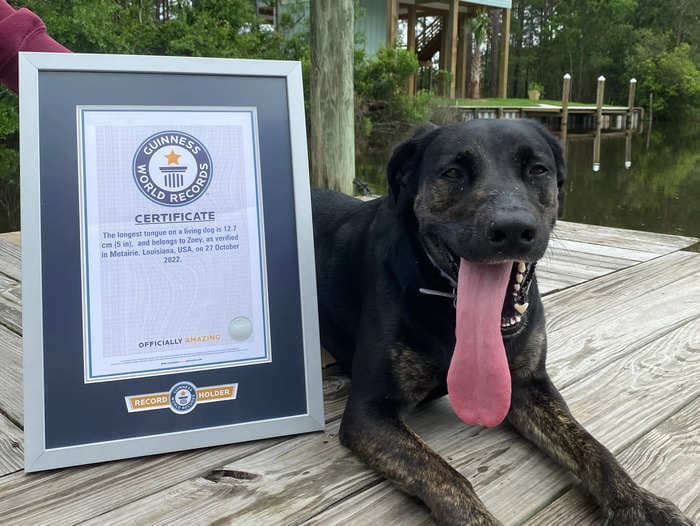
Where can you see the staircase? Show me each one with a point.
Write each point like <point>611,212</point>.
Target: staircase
<point>428,42</point>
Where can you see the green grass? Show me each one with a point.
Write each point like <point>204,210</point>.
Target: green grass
<point>505,102</point>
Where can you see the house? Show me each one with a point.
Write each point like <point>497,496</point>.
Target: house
<point>446,34</point>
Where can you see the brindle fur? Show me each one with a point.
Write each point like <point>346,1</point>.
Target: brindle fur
<point>446,186</point>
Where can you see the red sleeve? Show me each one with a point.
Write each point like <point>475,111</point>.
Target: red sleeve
<point>21,30</point>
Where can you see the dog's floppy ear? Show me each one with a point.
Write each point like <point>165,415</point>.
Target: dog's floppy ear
<point>404,160</point>
<point>559,160</point>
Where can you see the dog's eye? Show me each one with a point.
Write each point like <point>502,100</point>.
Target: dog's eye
<point>452,174</point>
<point>537,170</point>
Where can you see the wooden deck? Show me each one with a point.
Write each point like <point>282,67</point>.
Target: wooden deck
<point>623,318</point>
<point>581,119</point>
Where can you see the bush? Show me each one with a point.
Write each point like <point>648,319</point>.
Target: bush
<point>381,91</point>
<point>385,76</point>
<point>535,86</point>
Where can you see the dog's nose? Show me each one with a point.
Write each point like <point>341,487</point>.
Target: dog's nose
<point>512,230</point>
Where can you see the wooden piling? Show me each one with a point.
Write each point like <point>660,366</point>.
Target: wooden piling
<point>651,118</point>
<point>565,93</point>
<point>630,99</point>
<point>628,149</point>
<point>628,131</point>
<point>599,122</point>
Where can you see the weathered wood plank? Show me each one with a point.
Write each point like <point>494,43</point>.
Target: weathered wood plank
<point>624,238</point>
<point>10,260</point>
<point>514,479</point>
<point>559,253</point>
<point>13,237</point>
<point>548,285</point>
<point>12,292</point>
<point>577,253</point>
<point>572,246</point>
<point>299,478</point>
<point>11,447</point>
<point>10,314</point>
<point>11,374</point>
<point>68,496</point>
<point>666,461</point>
<point>7,283</point>
<point>598,321</point>
<point>577,272</point>
<point>72,495</point>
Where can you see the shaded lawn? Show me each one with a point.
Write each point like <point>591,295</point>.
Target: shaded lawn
<point>506,102</point>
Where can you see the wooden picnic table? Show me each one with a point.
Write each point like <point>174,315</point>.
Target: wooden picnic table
<point>623,321</point>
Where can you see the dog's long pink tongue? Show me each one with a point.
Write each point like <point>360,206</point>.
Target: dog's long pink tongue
<point>478,380</point>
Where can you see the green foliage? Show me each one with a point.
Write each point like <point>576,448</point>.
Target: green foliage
<point>419,107</point>
<point>215,28</point>
<point>667,72</point>
<point>381,91</point>
<point>9,115</point>
<point>656,41</point>
<point>385,77</point>
<point>535,86</point>
<point>9,160</point>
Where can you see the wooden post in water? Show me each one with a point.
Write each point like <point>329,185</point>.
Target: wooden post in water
<point>628,131</point>
<point>651,117</point>
<point>630,100</point>
<point>565,92</point>
<point>599,122</point>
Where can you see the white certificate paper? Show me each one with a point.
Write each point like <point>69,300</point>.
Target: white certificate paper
<point>172,240</point>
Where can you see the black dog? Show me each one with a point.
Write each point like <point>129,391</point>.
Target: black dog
<point>469,212</point>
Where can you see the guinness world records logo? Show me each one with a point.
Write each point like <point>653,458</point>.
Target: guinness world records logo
<point>172,168</point>
<point>183,397</point>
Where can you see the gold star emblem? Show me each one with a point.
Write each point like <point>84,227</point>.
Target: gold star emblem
<point>172,157</point>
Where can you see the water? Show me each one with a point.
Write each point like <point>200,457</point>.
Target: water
<point>659,193</point>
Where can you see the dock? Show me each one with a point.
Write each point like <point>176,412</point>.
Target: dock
<point>580,120</point>
<point>623,323</point>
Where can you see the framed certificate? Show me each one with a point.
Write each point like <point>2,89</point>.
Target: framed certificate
<point>169,296</point>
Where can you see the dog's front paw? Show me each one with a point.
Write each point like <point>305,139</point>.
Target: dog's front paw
<point>647,510</point>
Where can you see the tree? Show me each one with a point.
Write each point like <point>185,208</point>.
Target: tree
<point>666,71</point>
<point>478,27</point>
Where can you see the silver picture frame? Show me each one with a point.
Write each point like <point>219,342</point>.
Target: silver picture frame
<point>39,455</point>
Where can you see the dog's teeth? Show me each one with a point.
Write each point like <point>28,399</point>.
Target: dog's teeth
<point>521,308</point>
<point>512,321</point>
<point>519,278</point>
<point>518,319</point>
<point>516,286</point>
<point>521,267</point>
